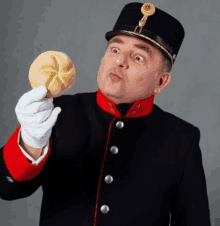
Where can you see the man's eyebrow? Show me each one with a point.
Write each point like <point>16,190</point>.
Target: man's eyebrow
<point>144,47</point>
<point>116,40</point>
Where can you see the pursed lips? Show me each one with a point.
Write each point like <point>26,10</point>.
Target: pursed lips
<point>115,75</point>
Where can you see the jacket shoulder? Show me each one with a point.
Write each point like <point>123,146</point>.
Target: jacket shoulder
<point>174,121</point>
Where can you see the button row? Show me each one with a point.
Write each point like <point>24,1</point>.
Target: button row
<point>109,179</point>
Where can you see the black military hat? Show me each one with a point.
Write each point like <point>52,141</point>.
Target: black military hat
<point>151,24</point>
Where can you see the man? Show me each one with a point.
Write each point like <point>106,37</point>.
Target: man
<point>113,157</point>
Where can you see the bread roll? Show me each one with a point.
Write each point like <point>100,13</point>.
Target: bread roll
<point>55,71</point>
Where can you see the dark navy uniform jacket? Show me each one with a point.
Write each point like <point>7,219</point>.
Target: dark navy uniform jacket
<point>105,169</point>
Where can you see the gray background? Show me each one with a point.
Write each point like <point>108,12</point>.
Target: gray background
<point>77,28</point>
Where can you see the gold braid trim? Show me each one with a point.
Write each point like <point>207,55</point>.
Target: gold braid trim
<point>156,43</point>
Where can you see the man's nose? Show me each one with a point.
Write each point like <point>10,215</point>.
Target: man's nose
<point>122,61</point>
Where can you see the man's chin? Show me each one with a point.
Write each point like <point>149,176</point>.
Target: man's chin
<point>113,95</point>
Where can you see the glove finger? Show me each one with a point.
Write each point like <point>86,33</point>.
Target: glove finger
<point>41,117</point>
<point>32,96</point>
<point>50,122</point>
<point>36,107</point>
<point>33,120</point>
<point>45,103</point>
<point>42,132</point>
<point>39,106</point>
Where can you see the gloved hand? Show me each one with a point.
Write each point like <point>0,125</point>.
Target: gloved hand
<point>37,116</point>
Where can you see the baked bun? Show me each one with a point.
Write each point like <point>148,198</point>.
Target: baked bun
<point>55,71</point>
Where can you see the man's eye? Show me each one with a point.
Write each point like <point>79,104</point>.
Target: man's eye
<point>139,58</point>
<point>115,50</point>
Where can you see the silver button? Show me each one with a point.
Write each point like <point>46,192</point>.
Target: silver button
<point>108,179</point>
<point>114,150</point>
<point>9,179</point>
<point>110,104</point>
<point>104,209</point>
<point>133,112</point>
<point>120,125</point>
<point>138,106</point>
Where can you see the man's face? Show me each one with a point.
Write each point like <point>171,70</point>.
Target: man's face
<point>136,62</point>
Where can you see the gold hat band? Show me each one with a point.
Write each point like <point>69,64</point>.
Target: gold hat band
<point>156,43</point>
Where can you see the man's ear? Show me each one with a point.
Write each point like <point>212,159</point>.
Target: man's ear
<point>164,80</point>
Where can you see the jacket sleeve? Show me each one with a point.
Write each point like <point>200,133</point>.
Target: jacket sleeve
<point>19,178</point>
<point>190,205</point>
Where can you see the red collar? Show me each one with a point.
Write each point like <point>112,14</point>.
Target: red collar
<point>139,108</point>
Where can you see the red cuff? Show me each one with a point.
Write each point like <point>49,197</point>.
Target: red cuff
<point>17,164</point>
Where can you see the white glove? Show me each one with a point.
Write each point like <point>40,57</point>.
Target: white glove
<point>37,116</point>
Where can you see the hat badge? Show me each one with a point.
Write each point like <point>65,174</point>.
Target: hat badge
<point>147,9</point>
